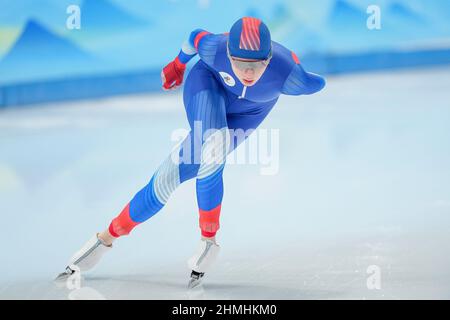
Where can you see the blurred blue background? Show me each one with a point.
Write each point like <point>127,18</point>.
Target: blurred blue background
<point>122,45</point>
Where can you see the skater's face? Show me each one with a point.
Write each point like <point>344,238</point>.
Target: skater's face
<point>248,71</point>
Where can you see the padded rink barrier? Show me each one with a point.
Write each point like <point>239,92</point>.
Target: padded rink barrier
<point>77,88</point>
<point>100,86</point>
<point>334,63</point>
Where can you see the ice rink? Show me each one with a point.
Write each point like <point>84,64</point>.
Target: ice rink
<point>363,183</point>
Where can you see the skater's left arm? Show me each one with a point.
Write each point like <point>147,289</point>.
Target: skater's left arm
<point>172,74</point>
<point>300,82</point>
<point>191,45</point>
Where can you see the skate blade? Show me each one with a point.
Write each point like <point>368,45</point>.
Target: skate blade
<point>62,277</point>
<point>194,283</point>
<point>196,279</point>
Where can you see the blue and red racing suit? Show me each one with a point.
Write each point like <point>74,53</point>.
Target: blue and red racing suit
<point>215,102</point>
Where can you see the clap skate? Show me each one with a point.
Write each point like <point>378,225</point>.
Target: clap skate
<point>85,259</point>
<point>202,260</point>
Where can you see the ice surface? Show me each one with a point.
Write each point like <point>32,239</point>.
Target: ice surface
<point>364,179</point>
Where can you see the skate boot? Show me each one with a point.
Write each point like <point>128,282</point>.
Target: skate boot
<point>86,258</point>
<point>202,260</point>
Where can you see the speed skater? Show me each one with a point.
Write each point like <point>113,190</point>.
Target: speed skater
<point>234,85</point>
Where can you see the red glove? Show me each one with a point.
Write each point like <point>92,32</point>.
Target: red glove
<point>172,74</point>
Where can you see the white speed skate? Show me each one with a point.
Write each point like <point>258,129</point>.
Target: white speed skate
<point>202,260</point>
<point>86,258</point>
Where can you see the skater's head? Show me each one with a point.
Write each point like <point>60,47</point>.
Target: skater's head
<point>249,49</point>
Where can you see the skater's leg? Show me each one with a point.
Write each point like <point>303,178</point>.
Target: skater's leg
<point>151,199</point>
<point>210,116</point>
<point>205,101</point>
<point>214,151</point>
<point>209,184</point>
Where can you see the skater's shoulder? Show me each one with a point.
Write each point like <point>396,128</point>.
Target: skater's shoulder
<point>283,60</point>
<point>283,56</point>
<point>210,46</point>
<point>211,41</point>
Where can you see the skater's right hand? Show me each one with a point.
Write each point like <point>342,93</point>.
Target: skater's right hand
<point>172,75</point>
